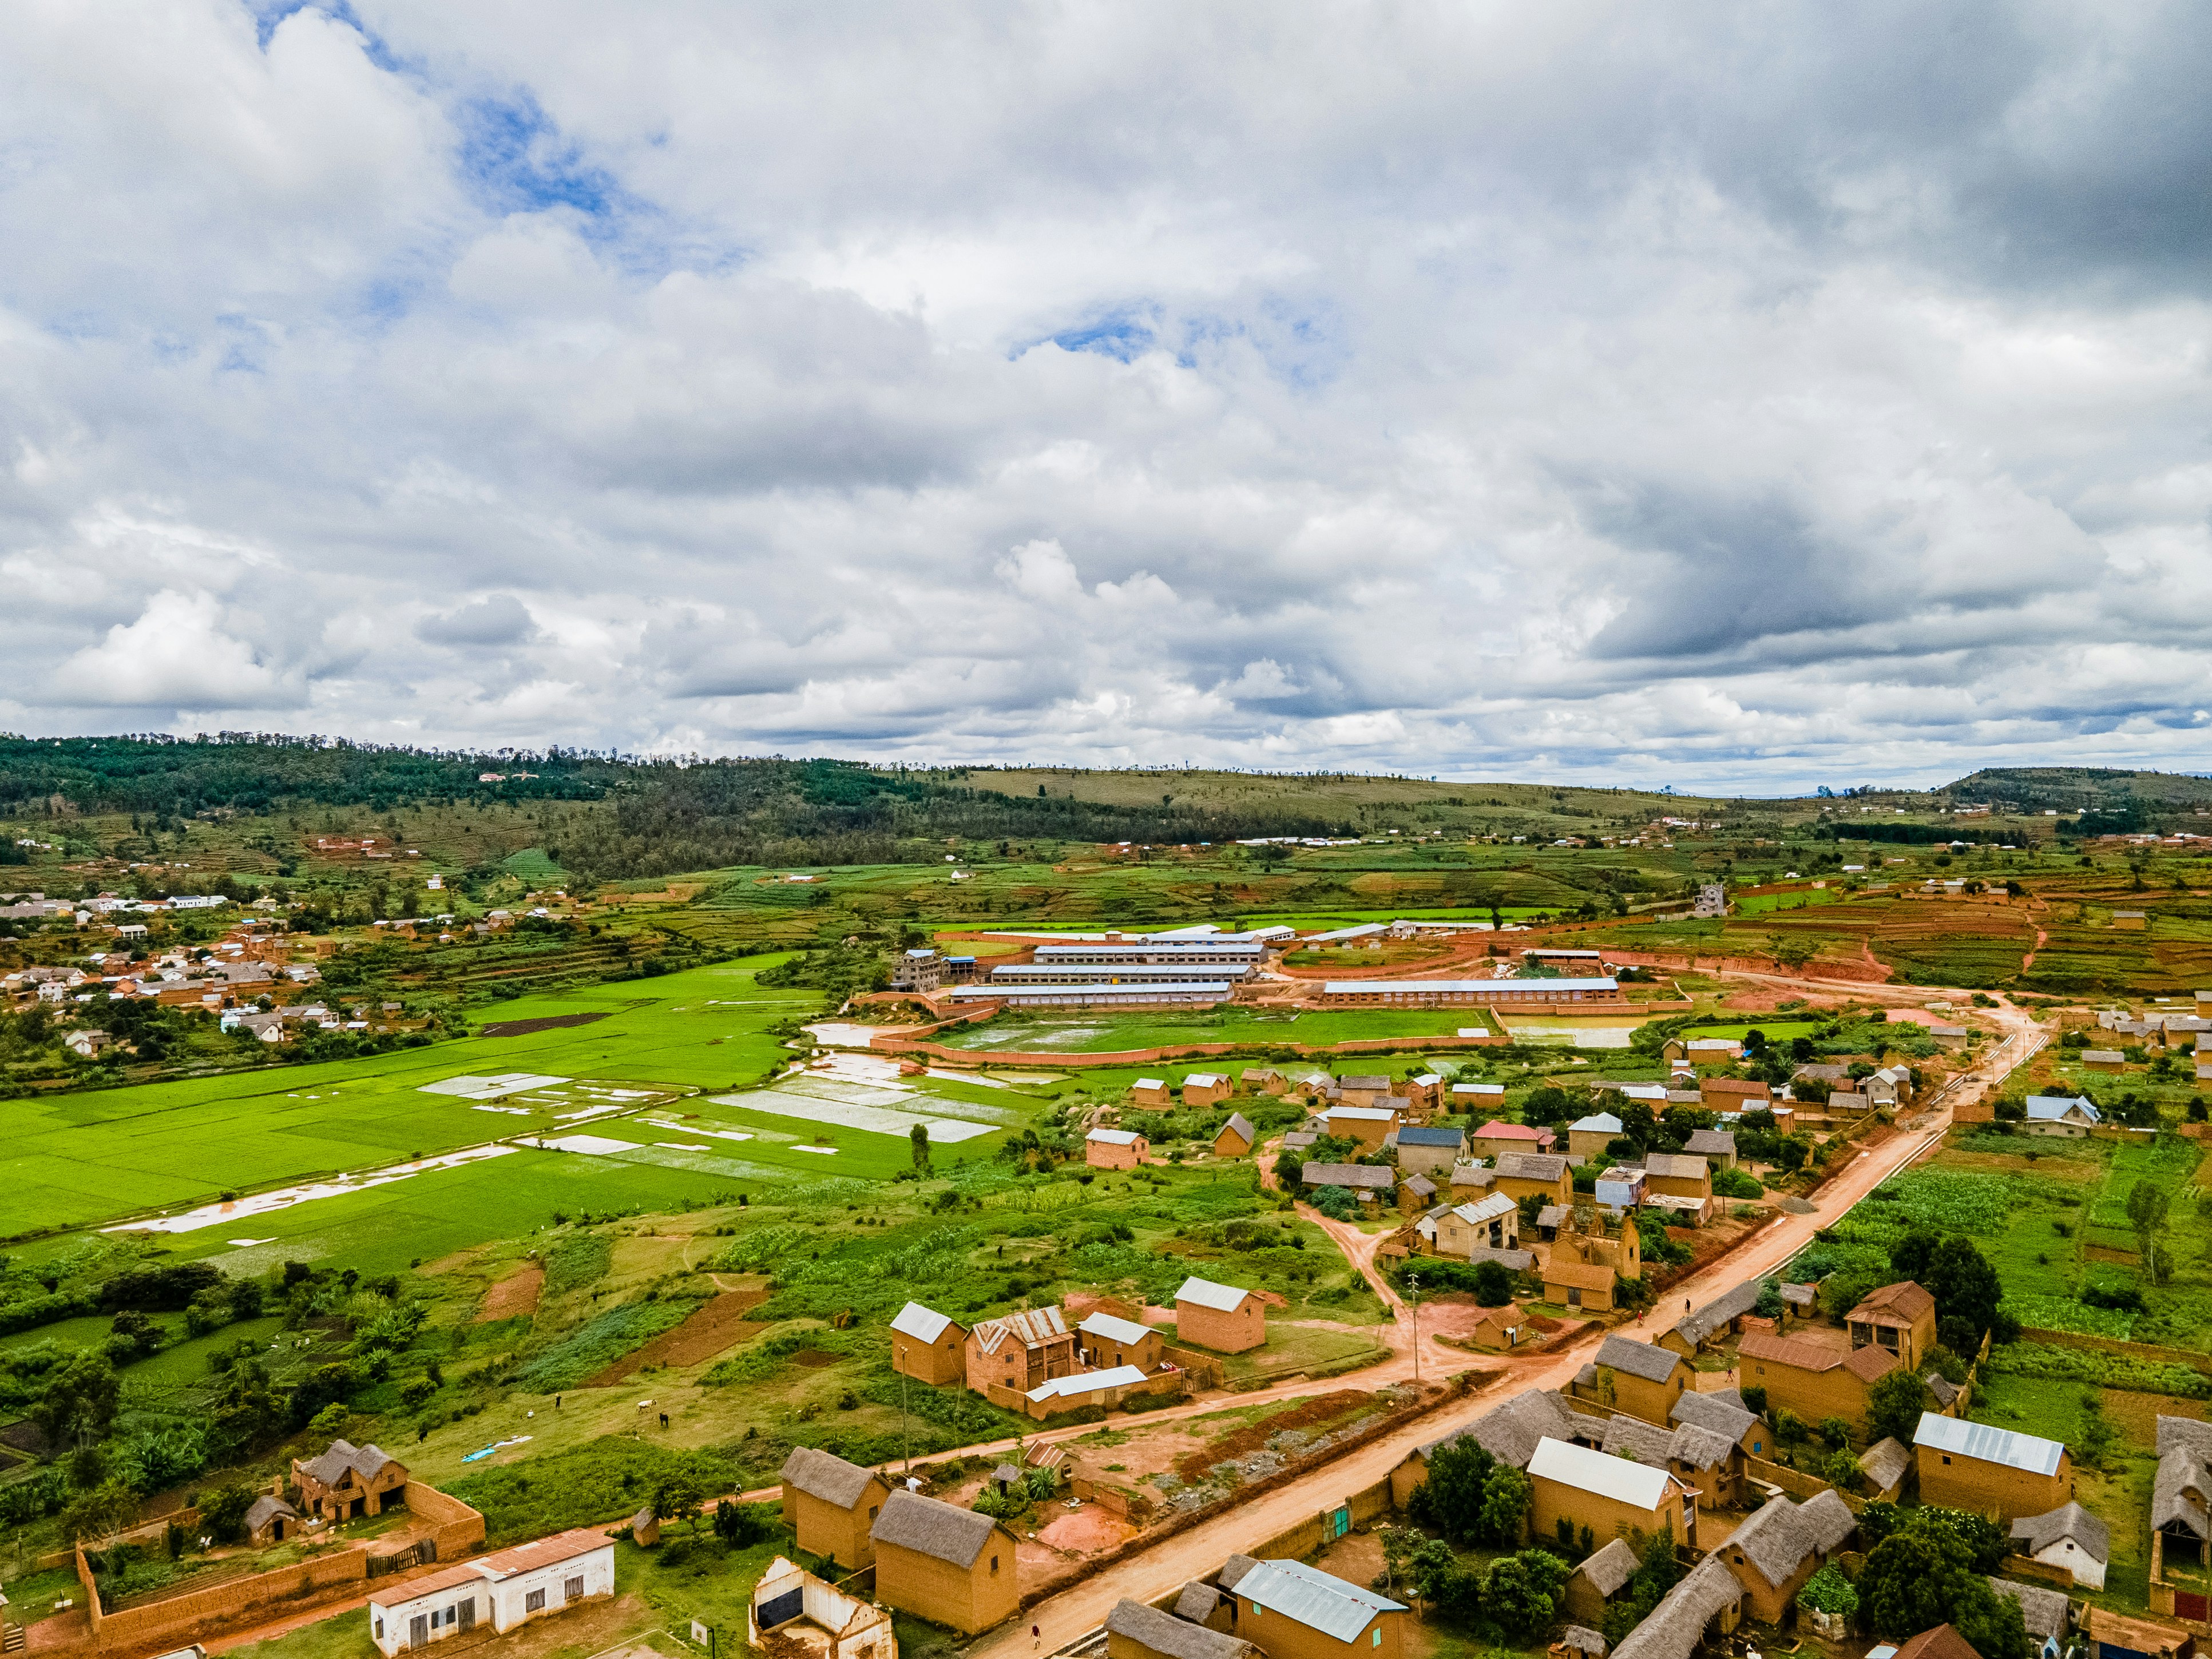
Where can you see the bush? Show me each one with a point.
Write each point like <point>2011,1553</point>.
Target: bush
<point>1829,1591</point>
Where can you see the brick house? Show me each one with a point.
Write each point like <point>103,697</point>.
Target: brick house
<point>938,1561</point>
<point>1610,1496</point>
<point>1972,1466</point>
<point>1782,1546</point>
<point>1292,1610</point>
<point>1019,1350</point>
<point>1812,1379</point>
<point>1898,1318</point>
<point>1114,1149</point>
<point>349,1480</point>
<point>1206,1088</point>
<point>1544,1174</point>
<point>1219,1317</point>
<point>1236,1137</point>
<point>928,1346</point>
<point>829,1504</point>
<point>1647,1380</point>
<point>1496,1138</point>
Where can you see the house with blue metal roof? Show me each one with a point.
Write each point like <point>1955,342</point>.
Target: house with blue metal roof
<point>1289,1610</point>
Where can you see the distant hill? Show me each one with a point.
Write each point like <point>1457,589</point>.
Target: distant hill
<point>2079,788</point>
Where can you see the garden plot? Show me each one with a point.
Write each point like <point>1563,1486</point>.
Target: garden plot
<point>785,1101</point>
<point>257,1204</point>
<point>490,1088</point>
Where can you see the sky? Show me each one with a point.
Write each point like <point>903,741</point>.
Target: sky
<point>1742,396</point>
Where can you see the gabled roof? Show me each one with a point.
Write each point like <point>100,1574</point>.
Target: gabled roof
<point>1206,1079</point>
<point>1711,1143</point>
<point>1115,1137</point>
<point>1368,1082</point>
<point>923,1324</point>
<point>1634,1483</point>
<point>1498,1130</point>
<point>1238,1124</point>
<point>543,1552</point>
<point>1677,1166</point>
<point>1362,1114</point>
<point>1511,1431</point>
<point>2042,1611</point>
<point>1307,1595</point>
<point>1872,1362</point>
<point>824,1475</point>
<point>1197,1602</point>
<point>2052,1108</point>
<point>1033,1328</point>
<point>1611,1567</point>
<point>1793,1352</point>
<point>1580,1638</point>
<point>1894,1304</point>
<point>1576,1276</point>
<point>343,1455</point>
<point>1674,1628</point>
<point>1375,1176</point>
<point>1082,1382</point>
<point>943,1531</point>
<point>1424,1134</point>
<point>2068,1521</point>
<point>1205,1293</point>
<point>1653,1365</point>
<point>1532,1166</point>
<point>1113,1329</point>
<point>1722,1413</point>
<point>1697,1327</point>
<point>2031,1454</point>
<point>1597,1123</point>
<point>260,1511</point>
<point>1420,1185</point>
<point>1885,1463</point>
<point>1781,1536</point>
<point>1475,1211</point>
<point>1164,1633</point>
<point>1519,1261</point>
<point>1941,1643</point>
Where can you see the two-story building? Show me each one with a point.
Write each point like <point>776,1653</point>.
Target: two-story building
<point>349,1481</point>
<point>1813,1379</point>
<point>1900,1318</point>
<point>1019,1350</point>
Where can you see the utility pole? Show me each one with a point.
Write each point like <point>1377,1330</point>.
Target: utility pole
<point>906,1425</point>
<point>1414,1298</point>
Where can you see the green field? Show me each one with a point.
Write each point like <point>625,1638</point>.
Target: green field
<point>1107,1032</point>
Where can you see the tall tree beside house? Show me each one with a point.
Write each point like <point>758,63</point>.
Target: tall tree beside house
<point>2148,1204</point>
<point>1469,1497</point>
<point>1966,1293</point>
<point>1894,1404</point>
<point>1934,1569</point>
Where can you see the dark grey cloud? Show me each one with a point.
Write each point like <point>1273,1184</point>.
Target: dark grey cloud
<point>496,619</point>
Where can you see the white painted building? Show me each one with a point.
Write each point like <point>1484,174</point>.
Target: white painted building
<point>504,1589</point>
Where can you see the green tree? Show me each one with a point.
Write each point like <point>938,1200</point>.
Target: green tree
<point>1894,1404</point>
<point>918,1139</point>
<point>1449,1500</point>
<point>677,1496</point>
<point>1902,1586</point>
<point>1965,1286</point>
<point>1519,1591</point>
<point>80,1400</point>
<point>1493,1283</point>
<point>223,1512</point>
<point>106,1509</point>
<point>1504,1507</point>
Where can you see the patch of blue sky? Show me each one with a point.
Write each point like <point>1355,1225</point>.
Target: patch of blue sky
<point>269,15</point>
<point>1121,334</point>
<point>515,158</point>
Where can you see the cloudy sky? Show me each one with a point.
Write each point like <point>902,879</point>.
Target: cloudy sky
<point>1750,396</point>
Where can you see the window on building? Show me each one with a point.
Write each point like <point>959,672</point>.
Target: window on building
<point>379,1630</point>
<point>572,1589</point>
<point>1377,1642</point>
<point>534,1602</point>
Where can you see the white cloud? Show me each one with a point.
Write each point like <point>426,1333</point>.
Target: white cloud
<point>175,655</point>
<point>1451,392</point>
